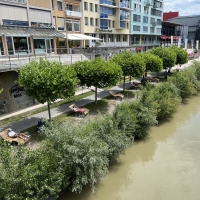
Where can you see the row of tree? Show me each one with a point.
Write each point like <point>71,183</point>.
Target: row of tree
<point>74,155</point>
<point>47,81</point>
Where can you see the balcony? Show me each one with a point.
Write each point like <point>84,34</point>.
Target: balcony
<point>15,1</point>
<point>124,6</point>
<point>108,3</point>
<point>148,3</point>
<point>103,16</point>
<point>72,13</point>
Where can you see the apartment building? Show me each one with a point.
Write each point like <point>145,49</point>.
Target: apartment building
<point>145,22</point>
<point>107,20</point>
<point>27,27</point>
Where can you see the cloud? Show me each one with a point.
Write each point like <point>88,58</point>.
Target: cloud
<point>185,7</point>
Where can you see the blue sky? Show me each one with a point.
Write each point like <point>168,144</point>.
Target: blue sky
<point>185,7</point>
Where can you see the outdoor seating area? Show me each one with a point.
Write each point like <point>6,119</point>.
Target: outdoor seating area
<point>21,138</point>
<point>79,111</point>
<point>136,85</point>
<point>116,95</point>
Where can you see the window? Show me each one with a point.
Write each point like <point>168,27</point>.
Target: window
<point>85,5</point>
<point>91,21</point>
<point>52,3</point>
<point>136,18</point>
<point>59,3</point>
<point>1,47</point>
<point>145,28</point>
<point>113,24</point>
<point>77,25</point>
<point>91,7</point>
<point>96,7</point>
<point>96,22</point>
<point>60,23</point>
<point>69,7</point>
<point>86,21</point>
<point>109,23</point>
<point>39,46</point>
<point>145,20</point>
<point>69,24</point>
<point>136,28</point>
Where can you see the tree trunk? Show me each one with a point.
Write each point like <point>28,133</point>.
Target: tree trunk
<point>124,83</point>
<point>49,111</point>
<point>95,95</point>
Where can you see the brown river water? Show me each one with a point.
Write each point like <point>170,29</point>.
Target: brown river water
<point>165,166</point>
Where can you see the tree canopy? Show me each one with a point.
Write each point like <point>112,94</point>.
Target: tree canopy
<point>153,63</point>
<point>47,81</point>
<point>97,73</point>
<point>167,55</point>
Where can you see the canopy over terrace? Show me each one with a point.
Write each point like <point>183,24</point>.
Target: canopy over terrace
<point>27,40</point>
<point>80,37</point>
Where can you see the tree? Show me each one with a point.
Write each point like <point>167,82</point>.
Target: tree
<point>181,55</point>
<point>153,63</point>
<point>47,81</point>
<point>97,73</point>
<point>131,64</point>
<point>1,90</point>
<point>166,54</point>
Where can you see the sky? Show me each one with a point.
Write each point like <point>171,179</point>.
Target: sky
<point>185,7</point>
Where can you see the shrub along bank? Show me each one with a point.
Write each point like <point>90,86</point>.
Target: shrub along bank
<point>75,155</point>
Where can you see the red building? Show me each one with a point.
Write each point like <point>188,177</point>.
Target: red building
<point>169,15</point>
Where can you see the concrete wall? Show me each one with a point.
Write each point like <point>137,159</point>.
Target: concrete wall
<point>13,97</point>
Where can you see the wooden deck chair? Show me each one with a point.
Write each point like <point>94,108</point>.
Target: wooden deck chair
<point>22,139</point>
<point>79,111</point>
<point>115,95</point>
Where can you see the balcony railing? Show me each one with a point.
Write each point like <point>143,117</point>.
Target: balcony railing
<point>73,13</point>
<point>103,16</point>
<point>15,1</point>
<point>107,2</point>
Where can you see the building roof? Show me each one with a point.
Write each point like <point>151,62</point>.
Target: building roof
<point>171,23</point>
<point>29,31</point>
<point>169,15</point>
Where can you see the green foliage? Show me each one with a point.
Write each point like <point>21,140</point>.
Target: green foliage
<point>97,73</point>
<point>153,63</point>
<point>184,84</point>
<point>131,64</point>
<point>47,81</point>
<point>168,100</point>
<point>168,56</point>
<point>196,66</point>
<point>84,154</point>
<point>30,175</point>
<point>181,55</point>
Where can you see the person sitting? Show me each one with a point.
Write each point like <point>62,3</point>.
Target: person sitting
<point>76,109</point>
<point>39,126</point>
<point>13,134</point>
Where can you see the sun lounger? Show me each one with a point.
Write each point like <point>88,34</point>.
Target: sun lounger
<point>116,95</point>
<point>17,140</point>
<point>136,85</point>
<point>79,111</point>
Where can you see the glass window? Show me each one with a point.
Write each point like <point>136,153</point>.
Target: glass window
<point>9,41</point>
<point>145,19</point>
<point>20,45</point>
<point>96,7</point>
<point>96,22</point>
<point>136,18</point>
<point>69,7</point>
<point>136,28</point>
<point>59,3</point>
<point>145,28</point>
<point>52,3</point>
<point>86,21</point>
<point>1,47</point>
<point>113,24</point>
<point>39,46</point>
<point>77,25</point>
<point>85,5</point>
<point>69,24</point>
<point>91,7</point>
<point>91,21</point>
<point>52,45</point>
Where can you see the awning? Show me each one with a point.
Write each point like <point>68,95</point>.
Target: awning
<point>29,31</point>
<point>79,37</point>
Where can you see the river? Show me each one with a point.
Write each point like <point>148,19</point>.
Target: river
<point>164,166</point>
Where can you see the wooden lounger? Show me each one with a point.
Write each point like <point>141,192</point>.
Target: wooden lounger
<point>115,95</point>
<point>136,85</point>
<point>84,111</point>
<point>17,140</point>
